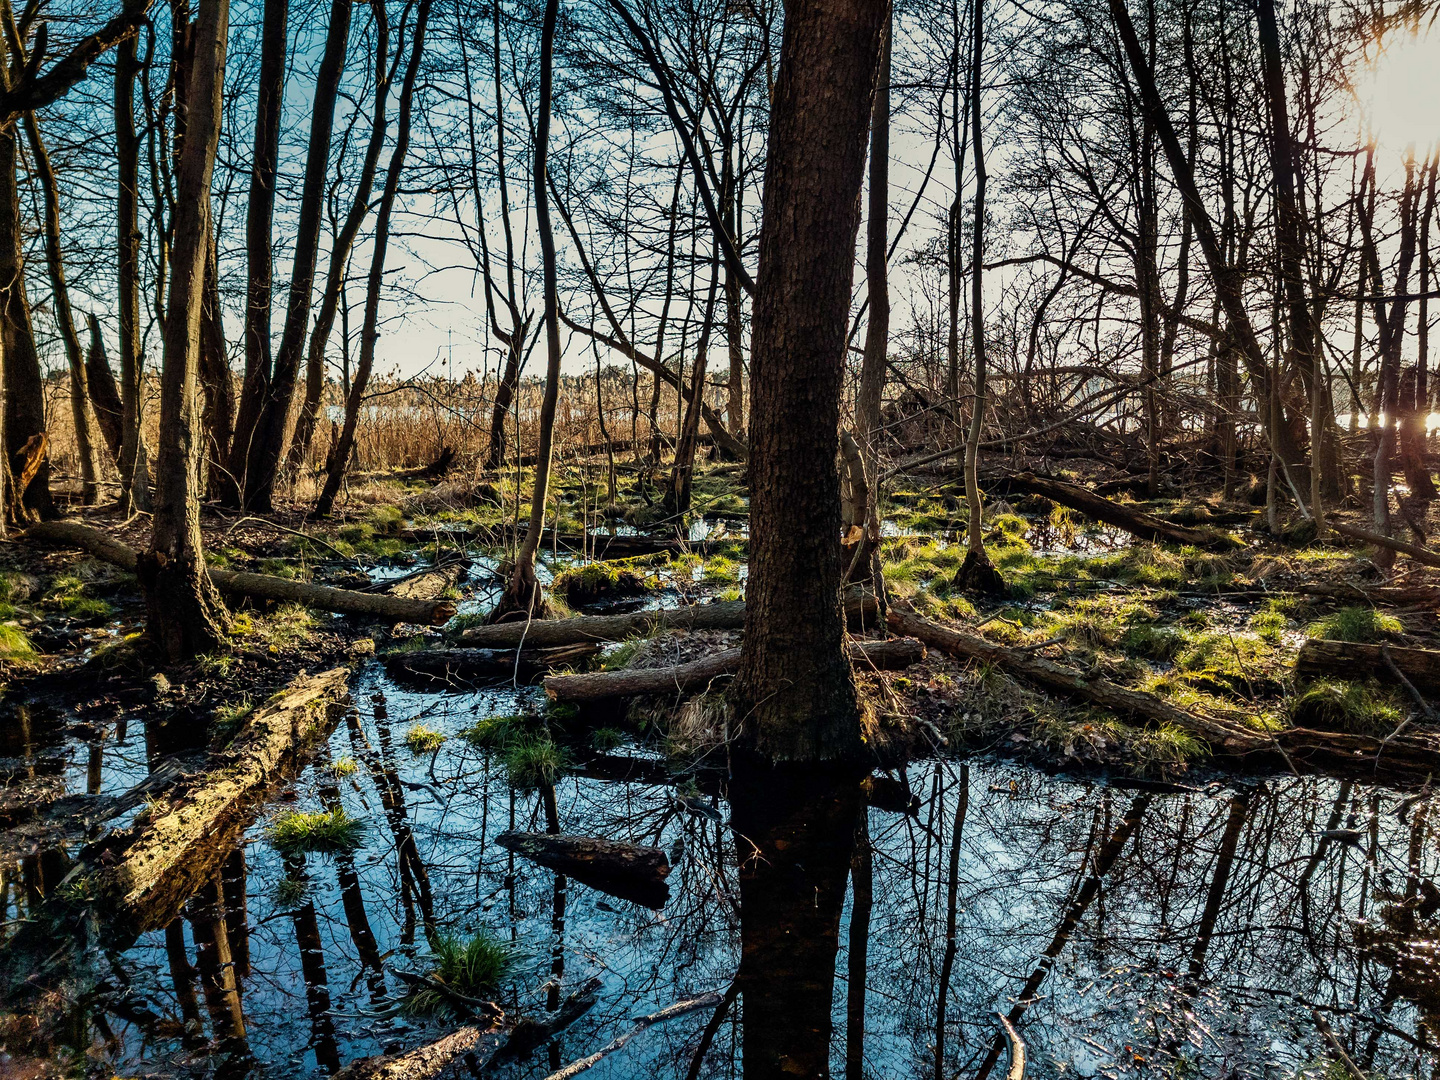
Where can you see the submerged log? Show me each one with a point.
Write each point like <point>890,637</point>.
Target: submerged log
<point>448,665</point>
<point>684,678</point>
<point>1350,660</point>
<point>138,880</point>
<point>255,586</point>
<point>529,1035</point>
<point>1136,522</point>
<point>1407,759</point>
<point>670,1012</point>
<point>628,871</point>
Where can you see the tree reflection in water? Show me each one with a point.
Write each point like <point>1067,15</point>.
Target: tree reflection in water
<point>1189,929</point>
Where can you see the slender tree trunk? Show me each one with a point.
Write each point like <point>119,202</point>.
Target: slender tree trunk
<point>134,455</point>
<point>677,499</point>
<point>64,318</point>
<point>267,443</point>
<point>340,249</point>
<point>522,594</point>
<point>186,615</point>
<point>877,278</point>
<point>104,391</point>
<point>796,693</point>
<point>259,226</point>
<point>218,412</point>
<point>370,333</point>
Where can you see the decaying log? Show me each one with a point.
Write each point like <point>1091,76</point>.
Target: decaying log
<point>28,460</point>
<point>670,1012</point>
<point>683,678</point>
<point>1136,522</point>
<point>430,584</point>
<point>727,615</point>
<point>452,665</point>
<point>139,879</point>
<point>255,586</point>
<point>1393,595</point>
<point>1420,554</point>
<point>628,871</point>
<point>1406,760</point>
<point>1351,660</point>
<point>422,1063</point>
<point>717,615</point>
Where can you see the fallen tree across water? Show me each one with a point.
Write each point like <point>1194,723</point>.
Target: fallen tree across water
<point>447,665</point>
<point>255,586</point>
<point>670,1012</point>
<point>1405,759</point>
<point>422,1063</point>
<point>629,871</point>
<point>139,879</point>
<point>1134,521</point>
<point>1422,555</point>
<point>683,678</point>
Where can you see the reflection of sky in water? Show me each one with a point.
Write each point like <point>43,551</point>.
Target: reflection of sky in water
<point>1116,989</point>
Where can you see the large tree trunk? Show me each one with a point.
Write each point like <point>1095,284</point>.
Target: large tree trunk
<point>796,692</point>
<point>259,223</point>
<point>64,318</point>
<point>134,457</point>
<point>24,385</point>
<point>267,441</point>
<point>185,613</point>
<point>370,334</point>
<point>341,247</point>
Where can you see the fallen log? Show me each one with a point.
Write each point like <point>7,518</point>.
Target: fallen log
<point>1408,759</point>
<point>1136,522</point>
<point>529,1035</point>
<point>1393,595</point>
<point>451,665</point>
<point>670,1012</point>
<point>139,879</point>
<point>727,615</point>
<point>422,1063</point>
<point>717,615</point>
<point>628,871</point>
<point>255,586</point>
<point>1351,660</point>
<point>683,678</point>
<point>430,584</point>
<point>1422,555</point>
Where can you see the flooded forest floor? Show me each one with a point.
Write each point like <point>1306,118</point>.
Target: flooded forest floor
<point>302,854</point>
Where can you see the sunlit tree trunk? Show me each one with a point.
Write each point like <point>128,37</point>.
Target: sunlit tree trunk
<point>185,615</point>
<point>796,693</point>
<point>134,458</point>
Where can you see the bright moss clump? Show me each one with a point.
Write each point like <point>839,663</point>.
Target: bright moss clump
<point>1356,624</point>
<point>597,581</point>
<point>421,740</point>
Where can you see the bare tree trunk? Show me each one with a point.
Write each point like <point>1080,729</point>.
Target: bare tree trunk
<point>796,692</point>
<point>259,225</point>
<point>677,499</point>
<point>186,615</point>
<point>64,318</point>
<point>134,456</point>
<point>24,386</point>
<point>370,332</point>
<point>217,418</point>
<point>267,443</point>
<point>877,239</point>
<point>340,249</point>
<point>523,591</point>
<point>104,391</point>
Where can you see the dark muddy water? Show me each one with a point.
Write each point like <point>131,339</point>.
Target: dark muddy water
<point>1129,932</point>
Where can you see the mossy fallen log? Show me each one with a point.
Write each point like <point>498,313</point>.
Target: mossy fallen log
<point>1134,521</point>
<point>422,1063</point>
<point>1352,660</point>
<point>684,678</point>
<point>255,586</point>
<point>1405,760</point>
<point>138,879</point>
<point>629,871</point>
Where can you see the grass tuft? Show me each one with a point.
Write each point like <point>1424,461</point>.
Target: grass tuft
<point>473,968</point>
<point>1355,624</point>
<point>421,740</point>
<point>1359,708</point>
<point>535,761</point>
<point>327,832</point>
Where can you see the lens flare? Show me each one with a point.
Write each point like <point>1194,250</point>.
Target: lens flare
<point>1397,91</point>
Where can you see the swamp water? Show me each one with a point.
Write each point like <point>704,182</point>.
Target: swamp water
<point>1151,932</point>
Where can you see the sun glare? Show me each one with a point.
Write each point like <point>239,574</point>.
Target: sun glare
<point>1398,90</point>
